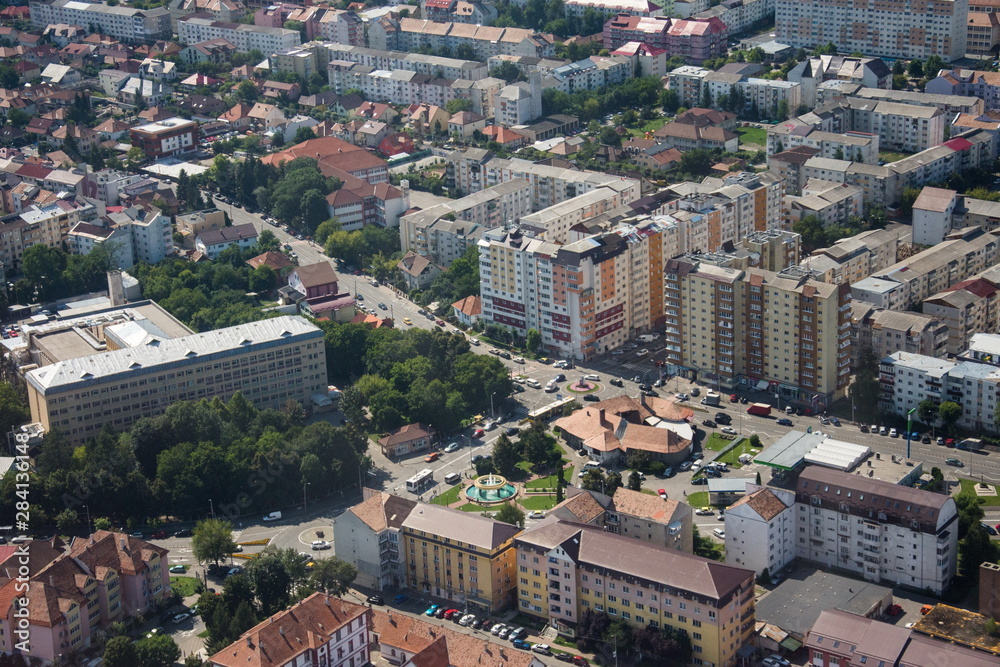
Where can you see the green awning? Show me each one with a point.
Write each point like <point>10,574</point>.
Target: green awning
<point>791,644</point>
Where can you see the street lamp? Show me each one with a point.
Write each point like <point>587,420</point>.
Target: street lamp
<point>305,497</point>
<point>211,506</point>
<point>492,411</point>
<point>89,529</point>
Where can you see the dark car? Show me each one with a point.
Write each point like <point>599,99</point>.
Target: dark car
<point>375,599</point>
<point>477,624</point>
<point>784,421</point>
<point>159,535</point>
<point>615,382</point>
<point>954,462</point>
<point>441,611</point>
<point>560,377</point>
<point>723,418</point>
<point>521,644</point>
<point>564,657</point>
<point>709,423</point>
<point>593,398</point>
<point>512,431</point>
<point>651,392</point>
<point>699,480</point>
<point>644,387</point>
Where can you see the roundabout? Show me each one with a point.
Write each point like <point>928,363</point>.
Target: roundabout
<point>582,386</point>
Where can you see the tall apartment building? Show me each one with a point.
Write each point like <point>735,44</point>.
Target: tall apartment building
<point>738,17</point>
<point>783,331</point>
<point>901,127</point>
<point>735,206</point>
<point>886,533</point>
<point>411,34</point>
<point>368,536</point>
<point>554,224</point>
<point>832,203</point>
<point>586,297</point>
<point>760,530</point>
<point>874,29</point>
<point>950,104</point>
<point>774,249</point>
<point>626,28</point>
<point>565,569</point>
<point>270,361</point>
<point>125,23</point>
<point>459,556</point>
<point>868,72</point>
<point>194,30</point>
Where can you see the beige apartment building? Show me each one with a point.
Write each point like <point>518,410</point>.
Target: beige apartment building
<point>269,361</point>
<point>783,332</point>
<point>565,569</point>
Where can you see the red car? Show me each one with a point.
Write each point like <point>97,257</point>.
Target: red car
<point>894,610</point>
<point>440,323</point>
<point>478,433</point>
<point>663,493</point>
<point>732,398</point>
<point>159,535</point>
<point>950,442</point>
<point>450,613</point>
<point>433,456</point>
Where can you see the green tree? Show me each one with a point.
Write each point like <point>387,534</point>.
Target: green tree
<point>507,71</point>
<point>610,137</point>
<point>915,69</point>
<point>458,104</point>
<point>271,582</point>
<point>157,651</point>
<point>670,101</point>
<point>949,412</point>
<point>325,228</point>
<point>247,92</point>
<point>927,412</point>
<point>67,520</point>
<point>533,340</point>
<point>506,455</point>
<point>102,523</point>
<point>619,635</point>
<point>810,227</point>
<point>212,540</point>
<point>536,443</point>
<point>906,200</point>
<point>121,652</point>
<point>510,513</point>
<point>755,55</point>
<point>18,118</point>
<point>634,482</point>
<point>697,162</point>
<point>864,391</point>
<point>332,576</point>
<point>303,134</point>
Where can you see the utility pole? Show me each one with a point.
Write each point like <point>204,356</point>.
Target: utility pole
<point>909,429</point>
<point>211,506</point>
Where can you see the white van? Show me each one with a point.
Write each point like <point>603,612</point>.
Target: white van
<point>273,516</point>
<point>591,465</point>
<point>649,338</point>
<point>452,478</point>
<point>593,377</point>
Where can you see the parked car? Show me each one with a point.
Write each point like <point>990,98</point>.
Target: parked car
<point>536,515</point>
<point>708,423</point>
<point>466,620</point>
<point>177,569</point>
<point>400,599</point>
<point>432,610</point>
<point>452,447</point>
<point>720,533</point>
<point>375,599</point>
<point>521,644</point>
<point>512,431</point>
<point>184,532</point>
<point>894,610</point>
<point>320,545</point>
<point>478,433</point>
<point>642,353</point>
<point>497,628</point>
<point>542,648</point>
<point>699,480</point>
<point>180,618</point>
<point>926,609</point>
<point>775,661</point>
<point>729,430</point>
<point>893,433</point>
<point>704,511</point>
<point>159,535</point>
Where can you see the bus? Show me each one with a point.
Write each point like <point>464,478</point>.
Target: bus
<point>546,412</point>
<point>420,481</point>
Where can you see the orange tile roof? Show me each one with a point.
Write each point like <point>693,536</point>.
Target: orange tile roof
<point>654,508</point>
<point>764,502</point>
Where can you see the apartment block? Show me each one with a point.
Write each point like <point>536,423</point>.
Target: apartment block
<point>410,35</point>
<point>856,146</point>
<point>462,557</point>
<point>830,91</point>
<point>895,534</point>
<point>270,362</point>
<point>556,223</point>
<point>882,332</point>
<point>867,72</point>
<point>734,206</point>
<point>585,297</point>
<point>962,255</point>
<point>193,30</point>
<point>873,29</point>
<point>973,83</point>
<point>773,249</point>
<point>565,569</point>
<point>590,74</point>
<point>633,7</point>
<point>760,530</point>
<point>319,630</point>
<point>767,96</point>
<point>687,81</point>
<point>368,536</point>
<point>475,169</point>
<point>126,23</point>
<point>626,28</point>
<point>447,68</point>
<point>966,308</point>
<point>900,127</point>
<point>521,102</point>
<point>906,380</point>
<point>717,330</point>
<point>937,212</point>
<point>738,17</point>
<point>77,592</point>
<point>84,237</point>
<point>832,203</point>
<point>443,232</point>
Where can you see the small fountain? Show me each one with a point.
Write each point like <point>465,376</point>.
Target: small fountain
<point>490,489</point>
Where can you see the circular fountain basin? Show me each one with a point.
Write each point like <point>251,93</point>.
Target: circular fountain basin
<point>490,489</point>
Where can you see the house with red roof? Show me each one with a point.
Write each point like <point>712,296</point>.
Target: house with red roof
<point>468,310</point>
<point>397,144</point>
<point>505,136</point>
<point>418,270</point>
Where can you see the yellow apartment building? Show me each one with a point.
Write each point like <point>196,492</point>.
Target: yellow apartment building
<point>564,569</point>
<point>462,557</point>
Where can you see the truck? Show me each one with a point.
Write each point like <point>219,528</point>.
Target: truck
<point>759,409</point>
<point>711,398</point>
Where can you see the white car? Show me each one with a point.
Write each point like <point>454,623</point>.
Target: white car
<point>893,433</point>
<point>682,397</point>
<point>720,533</point>
<point>465,620</point>
<point>617,352</point>
<point>593,377</point>
<point>642,353</point>
<point>518,379</point>
<point>180,618</point>
<point>541,648</point>
<point>728,430</point>
<point>533,383</point>
<point>320,545</point>
<point>518,360</point>
<point>452,447</point>
<point>536,515</point>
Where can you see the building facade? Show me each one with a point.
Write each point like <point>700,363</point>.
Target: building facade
<point>166,137</point>
<point>125,23</point>
<point>368,537</point>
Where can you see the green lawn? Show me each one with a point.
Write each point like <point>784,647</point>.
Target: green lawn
<point>473,507</point>
<point>448,497</point>
<point>648,126</point>
<point>732,457</point>
<point>186,586</point>
<point>698,499</point>
<point>752,135</point>
<point>538,502</point>
<point>717,442</point>
<point>889,156</point>
<point>970,486</point>
<point>548,482</point>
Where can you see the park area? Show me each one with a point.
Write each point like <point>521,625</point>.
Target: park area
<point>752,136</point>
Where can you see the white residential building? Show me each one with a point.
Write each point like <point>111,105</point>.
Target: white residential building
<point>767,95</point>
<point>885,532</point>
<point>211,243</point>
<point>244,37</point>
<point>367,537</point>
<point>760,530</point>
<point>145,25</point>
